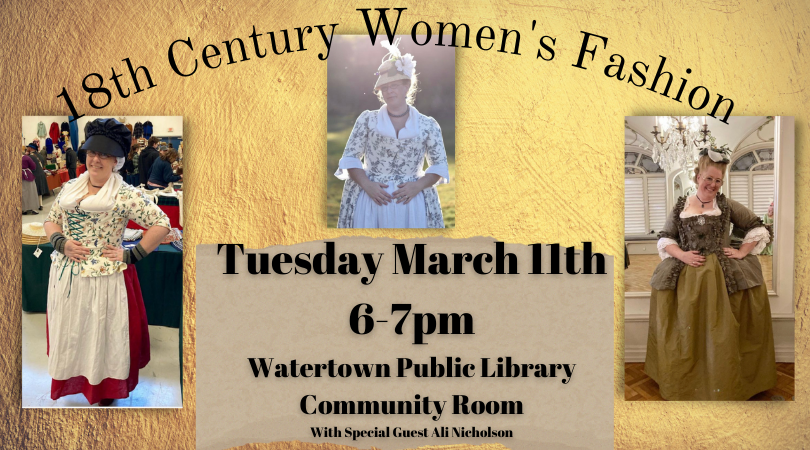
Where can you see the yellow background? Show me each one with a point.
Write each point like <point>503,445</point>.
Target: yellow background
<point>539,156</point>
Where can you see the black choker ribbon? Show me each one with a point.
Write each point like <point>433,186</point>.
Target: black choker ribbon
<point>702,203</point>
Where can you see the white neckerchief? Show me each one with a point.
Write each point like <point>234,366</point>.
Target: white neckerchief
<point>104,200</point>
<point>386,128</point>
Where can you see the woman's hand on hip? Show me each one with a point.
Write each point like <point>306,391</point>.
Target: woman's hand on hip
<point>733,253</point>
<point>693,258</point>
<point>76,251</point>
<point>113,253</point>
<point>407,191</point>
<point>376,191</point>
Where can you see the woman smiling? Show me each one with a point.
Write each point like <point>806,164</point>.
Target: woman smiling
<point>98,337</point>
<point>710,335</point>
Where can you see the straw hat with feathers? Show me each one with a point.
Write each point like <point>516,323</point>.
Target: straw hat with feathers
<point>395,66</point>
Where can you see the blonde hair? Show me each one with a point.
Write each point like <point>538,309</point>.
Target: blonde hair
<point>704,163</point>
<point>170,156</point>
<point>410,97</point>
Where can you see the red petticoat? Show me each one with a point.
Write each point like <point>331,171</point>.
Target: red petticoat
<point>138,352</point>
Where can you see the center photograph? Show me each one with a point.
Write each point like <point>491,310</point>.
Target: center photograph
<point>390,164</point>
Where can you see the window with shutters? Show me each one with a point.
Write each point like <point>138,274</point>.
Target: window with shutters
<point>751,181</point>
<point>645,206</point>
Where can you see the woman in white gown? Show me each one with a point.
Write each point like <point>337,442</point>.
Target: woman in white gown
<point>386,186</point>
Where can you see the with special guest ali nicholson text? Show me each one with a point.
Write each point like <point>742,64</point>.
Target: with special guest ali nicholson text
<point>398,432</point>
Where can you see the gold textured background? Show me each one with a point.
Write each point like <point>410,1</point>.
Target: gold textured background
<point>539,156</point>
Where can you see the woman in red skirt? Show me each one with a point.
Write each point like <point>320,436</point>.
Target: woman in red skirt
<point>98,336</point>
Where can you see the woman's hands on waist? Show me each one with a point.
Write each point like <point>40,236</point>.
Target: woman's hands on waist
<point>691,258</point>
<point>744,250</point>
<point>408,190</point>
<point>75,251</point>
<point>375,191</point>
<point>113,253</point>
<point>149,242</point>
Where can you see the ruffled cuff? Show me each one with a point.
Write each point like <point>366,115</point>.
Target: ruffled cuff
<point>440,170</point>
<point>761,236</point>
<point>347,162</point>
<point>662,247</point>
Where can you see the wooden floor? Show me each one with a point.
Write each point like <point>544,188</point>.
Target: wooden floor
<point>637,276</point>
<point>640,387</point>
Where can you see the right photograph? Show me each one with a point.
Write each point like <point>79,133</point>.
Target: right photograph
<point>709,236</point>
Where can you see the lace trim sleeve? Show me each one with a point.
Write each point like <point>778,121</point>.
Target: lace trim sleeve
<point>759,235</point>
<point>345,163</point>
<point>662,246</point>
<point>355,147</point>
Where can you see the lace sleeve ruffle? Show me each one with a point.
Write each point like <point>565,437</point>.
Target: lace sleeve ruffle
<point>662,245</point>
<point>440,170</point>
<point>761,236</point>
<point>345,163</point>
<point>355,147</point>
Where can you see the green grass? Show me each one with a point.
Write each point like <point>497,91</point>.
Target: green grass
<point>447,194</point>
<point>335,143</point>
<point>338,133</point>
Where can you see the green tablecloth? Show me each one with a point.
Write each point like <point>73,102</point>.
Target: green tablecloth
<point>160,275</point>
<point>168,201</point>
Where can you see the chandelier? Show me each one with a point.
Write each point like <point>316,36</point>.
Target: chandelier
<point>677,140</point>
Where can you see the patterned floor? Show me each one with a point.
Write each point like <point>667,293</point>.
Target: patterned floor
<point>637,276</point>
<point>640,387</point>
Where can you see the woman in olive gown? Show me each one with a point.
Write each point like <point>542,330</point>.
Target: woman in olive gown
<point>710,335</point>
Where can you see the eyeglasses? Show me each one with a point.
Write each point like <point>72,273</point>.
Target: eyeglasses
<point>101,156</point>
<point>391,87</point>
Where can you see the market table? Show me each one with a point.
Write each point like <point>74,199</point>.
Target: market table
<point>171,206</point>
<point>160,275</point>
<point>54,181</point>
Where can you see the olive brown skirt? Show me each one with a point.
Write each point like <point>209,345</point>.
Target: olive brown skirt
<point>704,344</point>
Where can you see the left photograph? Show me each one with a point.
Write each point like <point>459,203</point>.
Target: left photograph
<point>102,261</point>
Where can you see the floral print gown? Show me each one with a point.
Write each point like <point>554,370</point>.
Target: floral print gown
<point>392,161</point>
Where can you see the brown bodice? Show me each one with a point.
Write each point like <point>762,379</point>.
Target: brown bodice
<point>710,234</point>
